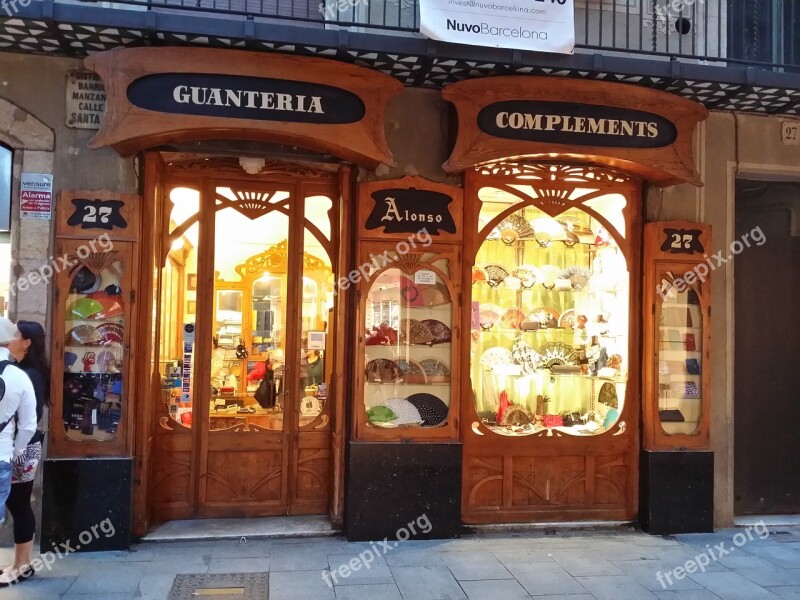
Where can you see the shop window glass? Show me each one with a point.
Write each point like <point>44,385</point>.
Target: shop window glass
<point>178,303</point>
<point>408,344</point>
<point>94,347</point>
<point>316,336</point>
<point>550,312</point>
<point>680,345</point>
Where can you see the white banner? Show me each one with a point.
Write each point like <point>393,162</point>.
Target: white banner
<point>540,25</point>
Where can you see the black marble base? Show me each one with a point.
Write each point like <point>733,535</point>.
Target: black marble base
<point>86,504</point>
<point>676,493</point>
<point>392,485</point>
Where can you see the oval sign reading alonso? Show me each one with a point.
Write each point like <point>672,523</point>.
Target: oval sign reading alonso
<point>576,124</point>
<point>243,97</point>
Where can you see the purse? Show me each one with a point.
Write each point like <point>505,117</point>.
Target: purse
<point>265,393</point>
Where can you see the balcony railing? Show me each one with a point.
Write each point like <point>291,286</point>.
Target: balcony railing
<point>761,33</point>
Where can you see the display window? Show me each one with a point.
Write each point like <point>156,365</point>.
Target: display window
<point>408,344</point>
<point>550,306</point>
<point>680,345</point>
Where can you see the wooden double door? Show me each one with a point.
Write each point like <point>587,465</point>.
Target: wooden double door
<point>244,317</point>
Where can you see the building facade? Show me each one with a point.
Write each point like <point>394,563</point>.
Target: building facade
<point>306,262</point>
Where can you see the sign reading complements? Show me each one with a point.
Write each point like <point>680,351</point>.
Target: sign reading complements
<point>540,25</point>
<point>579,124</point>
<point>86,100</point>
<point>409,210</point>
<point>36,196</point>
<point>241,97</point>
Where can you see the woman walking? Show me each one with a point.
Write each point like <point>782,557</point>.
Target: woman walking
<point>28,349</point>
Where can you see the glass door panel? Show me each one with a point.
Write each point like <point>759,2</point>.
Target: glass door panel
<point>316,318</point>
<point>249,335</point>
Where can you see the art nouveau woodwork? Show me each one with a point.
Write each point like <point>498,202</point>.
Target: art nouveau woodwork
<point>666,164</point>
<point>409,263</point>
<point>247,468</point>
<point>550,476</point>
<point>130,128</point>
<point>61,445</point>
<point>661,261</point>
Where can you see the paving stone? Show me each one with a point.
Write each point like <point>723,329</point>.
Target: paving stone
<point>360,570</point>
<point>646,573</point>
<point>791,592</point>
<point>745,561</point>
<point>780,555</point>
<point>380,591</point>
<point>299,585</point>
<point>584,564</point>
<point>155,587</point>
<point>427,583</point>
<point>99,579</point>
<point>732,586</point>
<point>416,558</point>
<point>545,578</point>
<point>467,566</point>
<point>104,596</point>
<point>238,565</point>
<point>771,576</point>
<point>523,556</point>
<point>298,557</point>
<point>254,549</point>
<point>504,589</point>
<point>687,595</point>
<point>615,588</point>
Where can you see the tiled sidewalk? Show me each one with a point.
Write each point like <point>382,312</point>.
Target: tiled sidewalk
<point>605,565</point>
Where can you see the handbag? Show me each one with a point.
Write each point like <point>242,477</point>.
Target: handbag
<point>265,393</point>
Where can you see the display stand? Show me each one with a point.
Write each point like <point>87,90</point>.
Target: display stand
<point>405,453</point>
<point>93,345</point>
<point>677,308</point>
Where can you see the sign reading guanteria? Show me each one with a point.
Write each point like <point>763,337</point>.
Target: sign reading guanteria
<point>540,25</point>
<point>246,98</point>
<point>642,131</point>
<point>165,95</point>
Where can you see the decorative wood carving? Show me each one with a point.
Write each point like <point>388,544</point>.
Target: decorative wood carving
<point>550,475</point>
<point>319,104</point>
<point>638,130</point>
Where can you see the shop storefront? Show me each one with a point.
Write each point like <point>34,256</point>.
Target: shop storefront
<point>250,337</point>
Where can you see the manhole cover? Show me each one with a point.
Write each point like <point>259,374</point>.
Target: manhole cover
<point>225,586</point>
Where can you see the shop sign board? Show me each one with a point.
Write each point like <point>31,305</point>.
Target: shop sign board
<point>642,131</point>
<point>578,124</point>
<point>411,208</point>
<point>400,210</point>
<point>36,196</point>
<point>172,95</point>
<point>86,99</point>
<point>538,25</point>
<point>240,97</point>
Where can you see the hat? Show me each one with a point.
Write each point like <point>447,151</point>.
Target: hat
<point>7,330</point>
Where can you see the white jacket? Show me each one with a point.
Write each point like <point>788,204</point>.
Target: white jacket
<point>20,399</point>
